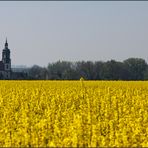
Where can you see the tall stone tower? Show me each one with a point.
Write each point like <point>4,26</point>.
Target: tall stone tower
<point>7,61</point>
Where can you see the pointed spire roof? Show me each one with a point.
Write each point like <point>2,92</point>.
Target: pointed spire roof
<point>6,44</point>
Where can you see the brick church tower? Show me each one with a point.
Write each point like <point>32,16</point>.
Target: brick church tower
<point>6,61</point>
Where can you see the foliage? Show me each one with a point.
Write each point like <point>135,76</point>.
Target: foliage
<point>130,69</point>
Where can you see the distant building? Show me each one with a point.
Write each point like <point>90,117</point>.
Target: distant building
<point>5,64</point>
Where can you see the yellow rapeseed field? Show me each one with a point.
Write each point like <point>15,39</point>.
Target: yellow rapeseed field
<point>73,113</point>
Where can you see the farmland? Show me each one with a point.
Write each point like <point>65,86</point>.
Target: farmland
<point>73,113</point>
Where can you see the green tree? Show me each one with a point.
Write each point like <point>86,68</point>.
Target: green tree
<point>136,68</point>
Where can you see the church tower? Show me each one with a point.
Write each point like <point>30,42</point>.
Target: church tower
<point>6,61</point>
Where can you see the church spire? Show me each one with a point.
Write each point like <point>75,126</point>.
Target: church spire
<point>6,44</point>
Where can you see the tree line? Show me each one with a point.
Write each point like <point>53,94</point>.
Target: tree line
<point>129,69</point>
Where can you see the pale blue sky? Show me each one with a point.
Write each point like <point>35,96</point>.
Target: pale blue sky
<point>42,32</point>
